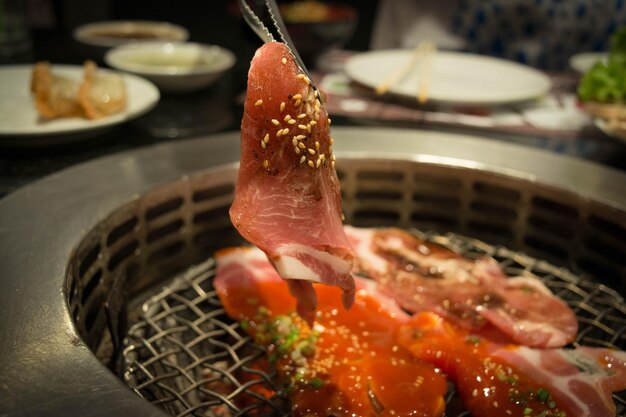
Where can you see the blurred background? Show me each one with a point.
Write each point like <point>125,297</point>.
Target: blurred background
<point>561,40</point>
<point>216,22</point>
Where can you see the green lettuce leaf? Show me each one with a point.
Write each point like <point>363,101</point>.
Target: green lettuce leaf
<point>606,80</point>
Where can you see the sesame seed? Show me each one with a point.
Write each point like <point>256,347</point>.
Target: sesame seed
<point>329,121</point>
<point>294,141</point>
<point>317,145</point>
<point>317,102</point>
<point>312,122</point>
<point>308,128</point>
<point>317,163</point>
<point>303,127</point>
<point>333,164</point>
<point>276,122</point>
<point>297,150</point>
<point>302,159</point>
<point>282,106</point>
<point>285,131</point>
<point>495,404</point>
<point>316,116</point>
<point>322,157</point>
<point>284,61</point>
<point>301,145</point>
<point>311,164</point>
<point>301,76</point>
<point>266,163</point>
<point>292,122</point>
<point>297,103</point>
<point>301,116</point>
<point>279,133</point>
<point>332,141</point>
<point>300,137</point>
<point>258,102</point>
<point>332,157</point>
<point>263,145</point>
<point>306,80</point>
<point>288,117</point>
<point>297,97</point>
<point>266,138</point>
<point>475,393</point>
<point>311,151</point>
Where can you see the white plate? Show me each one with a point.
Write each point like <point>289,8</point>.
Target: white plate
<point>18,116</point>
<point>584,61</point>
<point>456,78</point>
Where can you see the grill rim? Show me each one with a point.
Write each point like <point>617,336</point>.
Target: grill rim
<point>61,208</point>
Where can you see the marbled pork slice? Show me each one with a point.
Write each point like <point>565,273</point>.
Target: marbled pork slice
<point>477,295</point>
<point>287,199</point>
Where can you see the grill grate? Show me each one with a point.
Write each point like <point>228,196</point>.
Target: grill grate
<point>186,356</point>
<point>189,358</point>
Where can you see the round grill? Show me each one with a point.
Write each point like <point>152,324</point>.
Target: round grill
<point>184,343</point>
<point>112,232</point>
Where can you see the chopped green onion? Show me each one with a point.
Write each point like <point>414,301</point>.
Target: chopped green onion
<point>316,383</point>
<point>474,340</point>
<point>543,395</point>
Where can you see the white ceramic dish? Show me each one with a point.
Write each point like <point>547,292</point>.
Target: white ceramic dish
<point>20,121</point>
<point>584,61</point>
<point>456,78</point>
<point>109,34</point>
<point>173,67</point>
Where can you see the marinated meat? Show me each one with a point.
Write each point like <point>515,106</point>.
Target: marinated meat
<point>348,363</point>
<point>506,380</point>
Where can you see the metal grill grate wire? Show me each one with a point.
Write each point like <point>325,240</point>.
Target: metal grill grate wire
<point>186,356</point>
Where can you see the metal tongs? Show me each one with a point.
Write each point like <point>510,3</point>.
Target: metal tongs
<point>278,24</point>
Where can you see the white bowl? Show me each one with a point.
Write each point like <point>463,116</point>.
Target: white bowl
<point>109,34</point>
<point>583,62</point>
<point>173,67</point>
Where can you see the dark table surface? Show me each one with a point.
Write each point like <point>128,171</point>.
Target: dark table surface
<point>216,108</point>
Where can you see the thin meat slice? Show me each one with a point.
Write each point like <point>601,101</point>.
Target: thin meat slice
<point>287,199</point>
<point>346,364</point>
<point>474,294</point>
<point>507,380</point>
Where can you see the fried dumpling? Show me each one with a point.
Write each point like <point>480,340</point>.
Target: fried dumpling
<point>55,96</point>
<point>94,96</point>
<point>101,94</point>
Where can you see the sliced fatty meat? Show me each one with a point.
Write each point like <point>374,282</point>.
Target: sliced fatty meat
<point>500,380</point>
<point>287,200</point>
<point>348,363</point>
<point>477,294</point>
